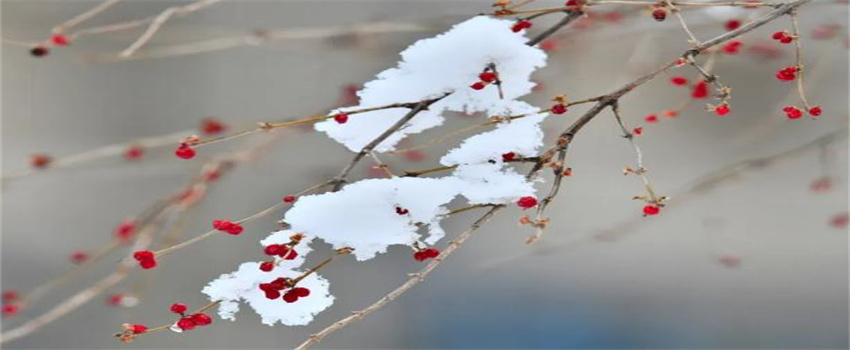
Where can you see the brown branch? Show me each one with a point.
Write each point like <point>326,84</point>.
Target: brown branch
<point>413,281</point>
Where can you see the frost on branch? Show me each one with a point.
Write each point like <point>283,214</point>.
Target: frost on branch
<point>449,62</point>
<point>243,285</point>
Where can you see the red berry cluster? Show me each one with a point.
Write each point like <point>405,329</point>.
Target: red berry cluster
<point>146,259</point>
<point>485,78</point>
<point>527,202</point>
<point>520,25</point>
<point>228,226</point>
<point>10,303</point>
<point>783,36</point>
<point>274,288</point>
<point>57,39</point>
<point>787,73</point>
<point>792,112</point>
<point>189,322</point>
<point>425,254</point>
<point>283,251</point>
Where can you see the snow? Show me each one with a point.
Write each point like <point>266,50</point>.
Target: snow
<point>363,216</point>
<point>449,62</point>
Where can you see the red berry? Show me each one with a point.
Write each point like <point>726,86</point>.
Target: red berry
<point>79,257</point>
<point>290,297</point>
<point>274,249</point>
<point>507,157</point>
<point>186,324</point>
<point>477,86</point>
<point>732,47</point>
<point>722,110</point>
<point>527,202</point>
<point>786,40</point>
<point>39,51</point>
<point>10,309</point>
<point>792,112</point>
<point>10,295</point>
<point>115,299</point>
<point>659,14</point>
<point>839,220</point>
<point>228,226</point>
<point>267,266</point>
<point>288,198</point>
<point>732,24</point>
<point>419,255</point>
<point>558,109</point>
<point>520,25</point>
<point>341,118</point>
<point>700,90</point>
<point>279,283</point>
<point>288,254</point>
<point>779,35</point>
<point>138,328</point>
<point>134,152</point>
<point>235,229</point>
<point>679,80</point>
<point>211,126</point>
<point>59,40</point>
<point>147,264</point>
<point>815,111</point>
<point>487,77</point>
<point>651,209</point>
<point>787,74</point>
<point>201,319</point>
<point>652,118</point>
<point>432,252</point>
<point>125,229</point>
<point>179,308</point>
<point>40,160</point>
<point>300,292</point>
<point>272,294</point>
<point>185,151</point>
<point>401,211</point>
<point>146,259</point>
<point>637,131</point>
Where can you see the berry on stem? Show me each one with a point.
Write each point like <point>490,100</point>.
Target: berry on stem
<point>39,51</point>
<point>527,202</point>
<point>179,308</point>
<point>228,226</point>
<point>700,89</point>
<point>186,323</point>
<point>679,80</point>
<point>211,126</point>
<point>267,266</point>
<point>507,157</point>
<point>659,14</point>
<point>146,259</point>
<point>478,85</point>
<point>815,111</point>
<point>341,118</point>
<point>558,109</point>
<point>722,110</point>
<point>652,118</point>
<point>787,73</point>
<point>651,209</point>
<point>124,230</point>
<point>792,112</point>
<point>185,151</point>
<point>487,77</point>
<point>520,25</point>
<point>732,24</point>
<point>289,198</point>
<point>40,160</point>
<point>201,319</point>
<point>59,40</point>
<point>134,152</point>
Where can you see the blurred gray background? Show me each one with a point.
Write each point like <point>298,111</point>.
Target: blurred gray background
<point>657,283</point>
